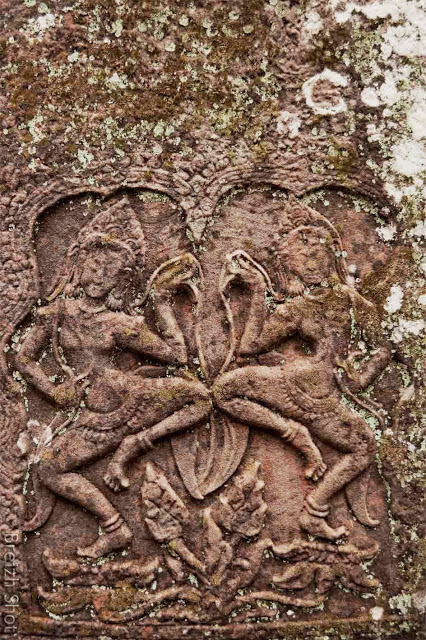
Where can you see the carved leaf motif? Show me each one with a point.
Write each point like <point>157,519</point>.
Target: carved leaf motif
<point>71,572</point>
<point>296,576</point>
<point>321,552</point>
<point>218,553</point>
<point>176,568</point>
<point>355,578</point>
<point>245,568</point>
<point>325,577</point>
<point>242,508</point>
<point>166,513</point>
<point>65,599</point>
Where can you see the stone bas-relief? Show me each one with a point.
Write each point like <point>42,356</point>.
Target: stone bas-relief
<point>200,445</point>
<point>104,404</point>
<point>212,285</point>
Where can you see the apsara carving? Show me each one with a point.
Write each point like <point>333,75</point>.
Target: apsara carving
<point>292,368</point>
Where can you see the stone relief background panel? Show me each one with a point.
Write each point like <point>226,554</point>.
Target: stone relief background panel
<point>212,288</point>
<point>277,470</point>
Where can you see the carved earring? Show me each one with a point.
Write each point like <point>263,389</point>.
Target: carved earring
<point>114,300</point>
<point>118,298</point>
<point>294,285</point>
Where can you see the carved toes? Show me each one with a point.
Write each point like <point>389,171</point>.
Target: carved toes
<point>116,481</point>
<point>319,528</point>
<point>316,472</point>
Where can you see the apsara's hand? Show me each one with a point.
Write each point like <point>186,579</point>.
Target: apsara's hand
<point>243,269</point>
<point>176,273</point>
<point>353,374</point>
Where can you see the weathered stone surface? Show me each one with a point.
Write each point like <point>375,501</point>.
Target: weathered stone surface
<point>213,291</point>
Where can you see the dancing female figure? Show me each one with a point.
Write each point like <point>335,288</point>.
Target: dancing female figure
<point>88,322</point>
<point>303,395</point>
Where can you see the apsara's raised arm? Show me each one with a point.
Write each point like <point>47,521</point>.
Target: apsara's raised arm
<point>133,334</point>
<point>368,320</point>
<point>35,343</point>
<point>281,323</point>
<point>166,280</point>
<point>263,329</point>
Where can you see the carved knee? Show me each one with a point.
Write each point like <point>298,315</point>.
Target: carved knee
<point>365,440</point>
<point>48,471</point>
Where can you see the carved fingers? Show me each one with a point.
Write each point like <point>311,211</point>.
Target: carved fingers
<point>115,477</point>
<point>352,371</point>
<point>241,267</point>
<point>175,273</point>
<point>315,471</point>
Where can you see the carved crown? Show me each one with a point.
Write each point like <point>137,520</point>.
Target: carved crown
<point>297,214</point>
<point>116,224</point>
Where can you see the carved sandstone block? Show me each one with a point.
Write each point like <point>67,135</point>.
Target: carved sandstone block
<point>212,285</point>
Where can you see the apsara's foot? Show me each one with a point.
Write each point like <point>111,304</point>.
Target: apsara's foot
<point>108,542</point>
<point>315,468</point>
<point>115,477</point>
<point>318,527</point>
<point>315,465</point>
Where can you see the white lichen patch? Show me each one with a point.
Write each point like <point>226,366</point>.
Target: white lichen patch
<point>387,232</point>
<point>73,57</point>
<point>387,56</point>
<point>35,129</point>
<point>324,108</point>
<point>406,327</point>
<point>419,230</point>
<point>312,25</point>
<point>85,157</point>
<point>416,117</point>
<point>402,602</point>
<point>370,97</point>
<point>38,26</point>
<point>117,27</point>
<point>117,81</point>
<point>409,158</point>
<point>288,124</point>
<point>394,301</point>
<point>377,613</point>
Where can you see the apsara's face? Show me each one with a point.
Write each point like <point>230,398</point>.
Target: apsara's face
<point>309,256</point>
<point>102,270</point>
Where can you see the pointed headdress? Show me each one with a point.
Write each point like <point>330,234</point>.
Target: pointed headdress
<point>117,227</point>
<point>117,224</point>
<point>299,217</point>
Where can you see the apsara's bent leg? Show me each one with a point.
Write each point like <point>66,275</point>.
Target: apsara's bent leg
<point>169,405</point>
<point>256,395</point>
<point>347,432</point>
<point>56,471</point>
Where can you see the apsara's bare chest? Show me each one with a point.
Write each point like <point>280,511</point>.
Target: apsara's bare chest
<point>82,331</point>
